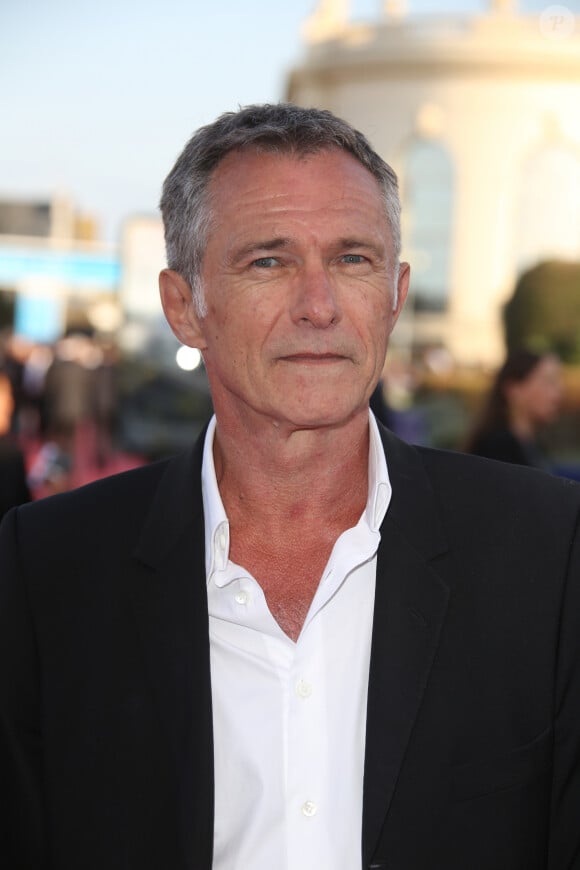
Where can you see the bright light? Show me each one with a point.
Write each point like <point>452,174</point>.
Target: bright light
<point>106,316</point>
<point>188,358</point>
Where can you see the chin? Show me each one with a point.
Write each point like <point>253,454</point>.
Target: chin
<point>320,418</point>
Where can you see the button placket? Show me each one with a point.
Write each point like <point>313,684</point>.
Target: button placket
<point>306,763</point>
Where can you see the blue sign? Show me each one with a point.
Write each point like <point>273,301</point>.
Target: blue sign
<point>38,318</point>
<point>77,270</point>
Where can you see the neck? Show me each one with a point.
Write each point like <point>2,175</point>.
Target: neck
<point>288,496</point>
<point>522,426</point>
<point>279,472</point>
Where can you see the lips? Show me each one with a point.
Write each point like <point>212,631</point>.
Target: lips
<point>308,357</point>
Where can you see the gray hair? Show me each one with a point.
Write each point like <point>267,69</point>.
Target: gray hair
<point>281,128</point>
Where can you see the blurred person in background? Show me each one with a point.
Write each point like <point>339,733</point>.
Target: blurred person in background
<point>13,485</point>
<point>105,403</point>
<point>69,389</point>
<point>526,395</point>
<point>12,366</point>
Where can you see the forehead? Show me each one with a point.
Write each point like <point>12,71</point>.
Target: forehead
<point>330,177</point>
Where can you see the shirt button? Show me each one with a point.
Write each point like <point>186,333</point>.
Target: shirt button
<point>303,689</point>
<point>309,809</point>
<point>241,597</point>
<point>222,541</point>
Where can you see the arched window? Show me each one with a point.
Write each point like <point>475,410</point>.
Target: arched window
<point>428,205</point>
<point>548,209</point>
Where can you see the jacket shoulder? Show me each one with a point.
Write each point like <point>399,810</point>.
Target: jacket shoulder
<point>476,497</point>
<point>113,494</point>
<point>114,509</point>
<point>500,497</point>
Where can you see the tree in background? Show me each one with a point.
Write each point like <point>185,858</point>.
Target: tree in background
<point>544,311</point>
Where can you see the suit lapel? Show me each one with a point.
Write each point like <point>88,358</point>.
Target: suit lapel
<point>170,604</point>
<point>410,606</point>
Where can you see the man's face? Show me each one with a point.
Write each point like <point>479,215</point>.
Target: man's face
<point>297,276</point>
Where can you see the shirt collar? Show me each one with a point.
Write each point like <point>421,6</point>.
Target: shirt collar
<point>217,528</point>
<point>379,483</point>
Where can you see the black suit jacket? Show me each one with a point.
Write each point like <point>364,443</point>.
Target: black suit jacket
<point>473,727</point>
<point>502,444</point>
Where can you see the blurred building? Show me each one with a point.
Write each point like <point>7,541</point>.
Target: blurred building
<point>142,258</point>
<point>54,272</point>
<point>57,276</point>
<point>480,117</point>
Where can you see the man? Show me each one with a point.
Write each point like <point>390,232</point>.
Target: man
<point>305,645</point>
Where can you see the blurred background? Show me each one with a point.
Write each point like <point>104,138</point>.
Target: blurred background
<point>475,104</point>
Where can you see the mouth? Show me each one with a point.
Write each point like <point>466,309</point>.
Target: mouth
<point>313,358</point>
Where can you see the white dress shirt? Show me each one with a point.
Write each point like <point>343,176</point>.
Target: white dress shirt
<point>289,718</point>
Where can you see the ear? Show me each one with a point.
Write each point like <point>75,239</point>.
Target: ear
<point>179,309</point>
<point>402,290</point>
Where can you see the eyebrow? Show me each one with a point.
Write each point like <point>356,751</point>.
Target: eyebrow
<point>280,242</point>
<point>349,243</point>
<point>259,245</point>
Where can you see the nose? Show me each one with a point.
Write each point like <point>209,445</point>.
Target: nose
<point>315,299</point>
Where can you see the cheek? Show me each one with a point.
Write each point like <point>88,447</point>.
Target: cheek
<point>373,311</point>
<point>382,323</point>
<point>542,400</point>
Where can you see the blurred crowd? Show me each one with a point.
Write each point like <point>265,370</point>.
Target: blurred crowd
<point>58,411</point>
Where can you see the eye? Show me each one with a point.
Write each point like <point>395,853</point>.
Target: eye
<point>353,259</point>
<point>265,262</point>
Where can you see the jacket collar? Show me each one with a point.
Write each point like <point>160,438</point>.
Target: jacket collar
<point>169,602</point>
<point>410,605</point>
<point>176,505</point>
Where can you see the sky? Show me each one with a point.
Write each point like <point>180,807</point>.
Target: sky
<point>98,98</point>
